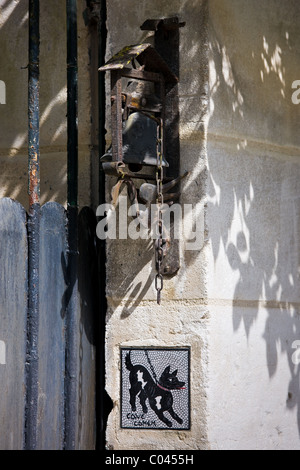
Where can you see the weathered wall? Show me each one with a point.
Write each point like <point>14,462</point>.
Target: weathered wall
<point>235,301</point>
<point>134,318</point>
<point>53,79</point>
<point>253,224</point>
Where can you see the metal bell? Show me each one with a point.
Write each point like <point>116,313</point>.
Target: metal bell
<point>139,141</point>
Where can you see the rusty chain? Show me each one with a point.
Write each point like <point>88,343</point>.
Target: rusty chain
<point>159,203</point>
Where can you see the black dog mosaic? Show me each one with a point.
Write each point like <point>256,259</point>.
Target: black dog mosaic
<point>155,388</point>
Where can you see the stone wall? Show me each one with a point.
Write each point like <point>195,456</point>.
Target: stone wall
<point>236,300</point>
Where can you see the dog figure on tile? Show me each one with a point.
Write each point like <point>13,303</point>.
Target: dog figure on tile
<point>158,393</point>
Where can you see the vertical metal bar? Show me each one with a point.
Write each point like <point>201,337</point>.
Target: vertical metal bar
<point>33,229</point>
<point>96,18</point>
<point>116,115</point>
<point>102,38</point>
<point>71,411</point>
<point>166,42</point>
<point>92,18</point>
<point>72,102</point>
<point>103,402</point>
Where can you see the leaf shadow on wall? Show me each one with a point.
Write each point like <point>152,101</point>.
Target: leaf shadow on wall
<point>252,206</point>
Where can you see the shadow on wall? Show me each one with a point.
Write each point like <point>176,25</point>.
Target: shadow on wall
<point>253,196</point>
<point>13,115</point>
<point>129,286</point>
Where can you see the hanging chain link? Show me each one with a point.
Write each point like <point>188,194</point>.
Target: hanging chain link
<point>159,203</point>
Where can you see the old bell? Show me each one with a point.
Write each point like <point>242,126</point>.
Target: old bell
<point>139,137</point>
<point>140,80</point>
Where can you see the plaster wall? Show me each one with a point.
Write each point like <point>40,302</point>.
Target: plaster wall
<point>134,318</point>
<point>236,300</point>
<point>253,225</point>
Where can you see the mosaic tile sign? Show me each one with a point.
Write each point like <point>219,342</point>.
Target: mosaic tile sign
<point>155,388</point>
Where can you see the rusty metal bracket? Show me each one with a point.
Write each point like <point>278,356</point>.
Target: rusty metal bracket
<point>168,24</point>
<point>159,65</point>
<point>166,43</point>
